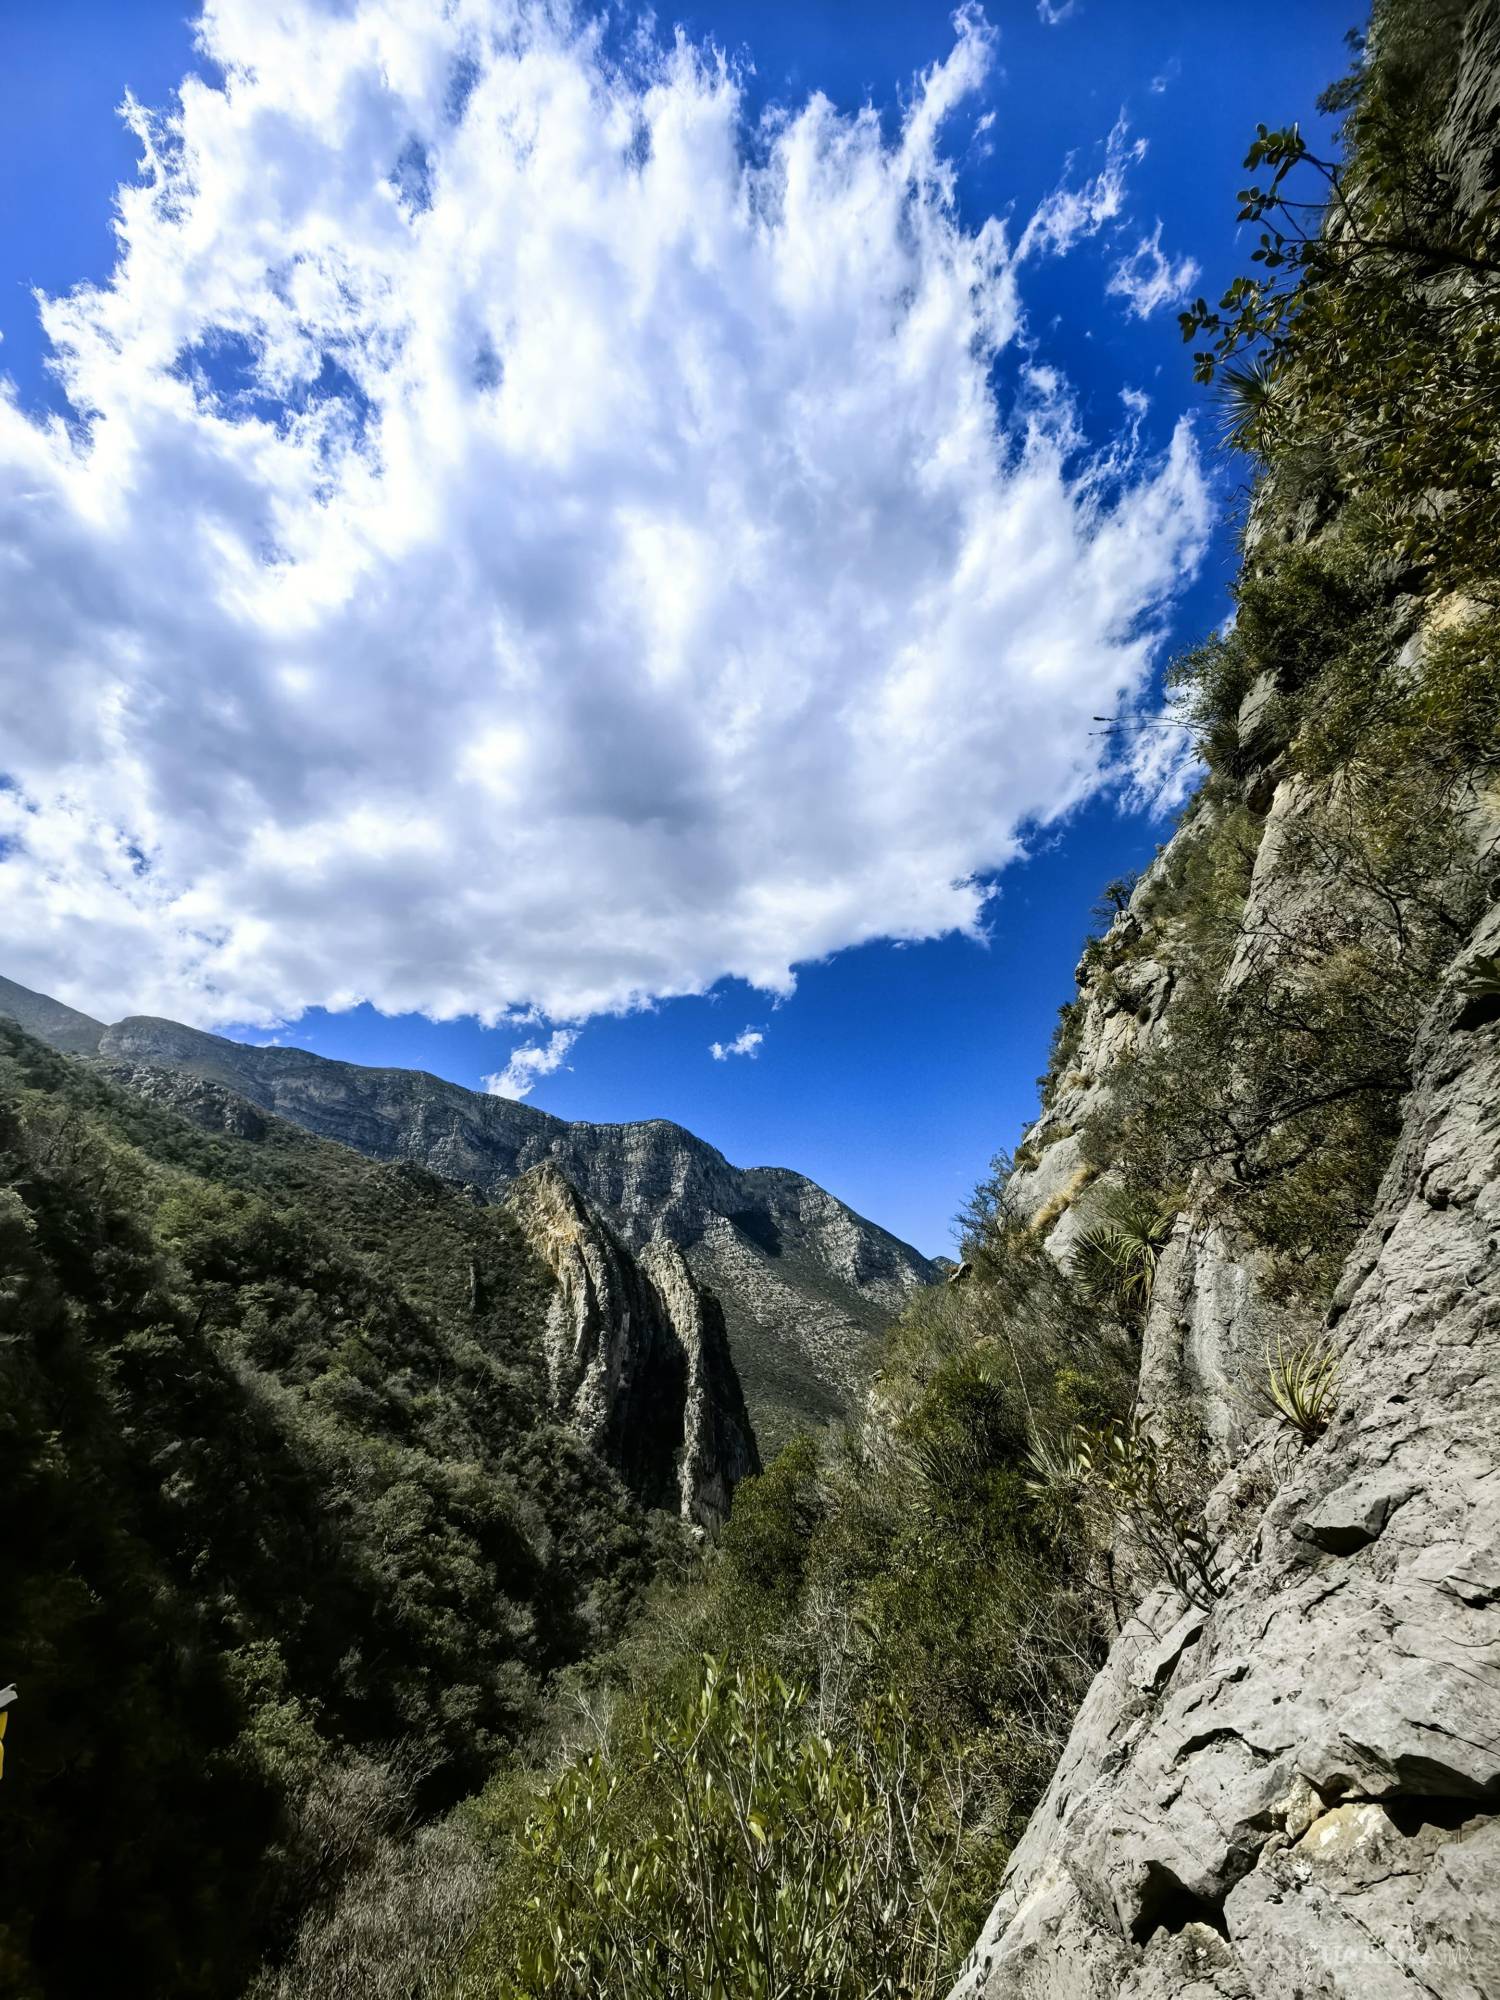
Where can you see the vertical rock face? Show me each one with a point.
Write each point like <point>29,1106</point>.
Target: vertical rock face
<point>1294,1788</point>
<point>1299,1790</point>
<point>718,1446</point>
<point>637,1356</point>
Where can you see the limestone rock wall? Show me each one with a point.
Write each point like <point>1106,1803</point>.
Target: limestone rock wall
<point>637,1357</point>
<point>1297,1790</point>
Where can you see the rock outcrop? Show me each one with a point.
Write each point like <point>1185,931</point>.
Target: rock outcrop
<point>804,1284</point>
<point>1297,1789</point>
<point>636,1354</point>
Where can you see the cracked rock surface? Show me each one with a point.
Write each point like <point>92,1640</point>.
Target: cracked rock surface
<point>1298,1791</point>
<point>637,1356</point>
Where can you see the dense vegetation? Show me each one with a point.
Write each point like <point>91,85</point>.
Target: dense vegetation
<point>292,1546</point>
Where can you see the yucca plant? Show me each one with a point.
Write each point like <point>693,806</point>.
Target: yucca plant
<point>1116,1260</point>
<point>1060,1468</point>
<point>1301,1386</point>
<point>1245,403</point>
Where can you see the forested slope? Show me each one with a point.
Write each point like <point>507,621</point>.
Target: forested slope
<point>293,1535</point>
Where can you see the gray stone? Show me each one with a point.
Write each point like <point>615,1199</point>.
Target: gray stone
<point>636,1354</point>
<point>1313,1782</point>
<point>1353,1514</point>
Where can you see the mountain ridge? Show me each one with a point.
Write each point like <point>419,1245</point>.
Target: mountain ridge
<point>806,1284</point>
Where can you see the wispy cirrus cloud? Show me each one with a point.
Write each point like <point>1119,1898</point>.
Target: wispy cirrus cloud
<point>529,537</point>
<point>1073,212</point>
<point>1147,279</point>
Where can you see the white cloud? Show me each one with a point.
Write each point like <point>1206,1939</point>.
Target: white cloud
<point>746,1043</point>
<point>527,542</point>
<point>1052,16</point>
<point>1070,214</point>
<point>1163,763</point>
<point>527,1066</point>
<point>1148,279</point>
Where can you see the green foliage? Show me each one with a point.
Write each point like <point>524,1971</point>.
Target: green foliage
<point>740,1850</point>
<point>1275,1093</point>
<point>1366,341</point>
<point>767,1538</point>
<point>282,1493</point>
<point>1139,1498</point>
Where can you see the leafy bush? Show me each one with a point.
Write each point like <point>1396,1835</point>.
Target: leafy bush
<point>1140,1499</point>
<point>737,1850</point>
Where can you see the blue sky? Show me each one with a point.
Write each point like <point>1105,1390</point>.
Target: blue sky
<point>171,841</point>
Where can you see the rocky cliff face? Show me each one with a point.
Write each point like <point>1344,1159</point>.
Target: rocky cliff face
<point>1292,1787</point>
<point>1296,1789</point>
<point>637,1356</point>
<point>804,1284</point>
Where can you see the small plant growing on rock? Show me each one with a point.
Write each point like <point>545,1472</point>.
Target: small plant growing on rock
<point>1301,1386</point>
<point>1130,1496</point>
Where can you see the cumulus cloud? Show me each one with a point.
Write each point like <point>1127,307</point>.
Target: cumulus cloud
<point>525,539</point>
<point>528,1065</point>
<point>1148,279</point>
<point>746,1043</point>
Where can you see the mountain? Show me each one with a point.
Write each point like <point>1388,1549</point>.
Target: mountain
<point>805,1284</point>
<point>317,1471</point>
<point>49,1020</point>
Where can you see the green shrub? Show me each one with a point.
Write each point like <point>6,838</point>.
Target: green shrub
<point>735,1849</point>
<point>1139,1496</point>
<point>767,1538</point>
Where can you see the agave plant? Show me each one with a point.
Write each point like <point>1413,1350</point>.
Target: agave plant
<point>1302,1386</point>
